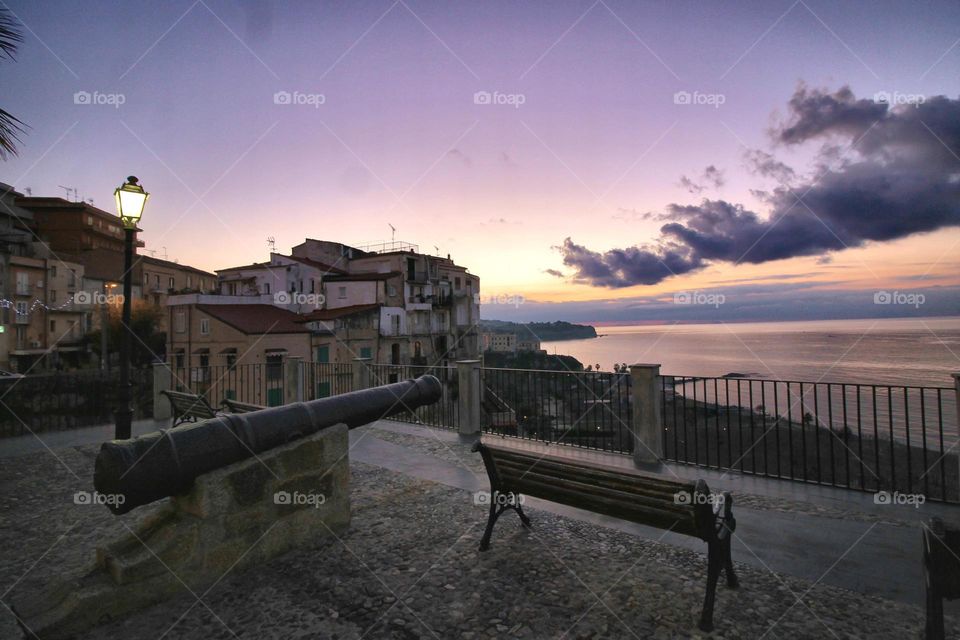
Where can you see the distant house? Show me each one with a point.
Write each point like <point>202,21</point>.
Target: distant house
<point>500,342</point>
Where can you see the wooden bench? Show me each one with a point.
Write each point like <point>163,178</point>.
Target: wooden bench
<point>654,500</point>
<point>234,406</point>
<point>941,570</point>
<point>189,407</point>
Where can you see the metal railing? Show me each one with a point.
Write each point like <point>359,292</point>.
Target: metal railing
<point>445,413</point>
<point>60,401</point>
<point>262,384</point>
<point>325,379</point>
<point>857,436</point>
<point>585,409</point>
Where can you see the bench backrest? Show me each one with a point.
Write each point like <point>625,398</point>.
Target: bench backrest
<point>233,406</point>
<point>666,503</point>
<point>188,404</point>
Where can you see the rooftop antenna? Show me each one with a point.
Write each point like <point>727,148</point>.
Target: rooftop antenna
<point>69,190</point>
<point>90,201</point>
<point>437,249</point>
<point>272,243</point>
<point>164,252</point>
<point>393,232</point>
<point>28,191</point>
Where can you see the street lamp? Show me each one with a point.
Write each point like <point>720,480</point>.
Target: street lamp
<point>131,199</point>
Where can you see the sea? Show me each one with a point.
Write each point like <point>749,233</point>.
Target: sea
<point>893,351</point>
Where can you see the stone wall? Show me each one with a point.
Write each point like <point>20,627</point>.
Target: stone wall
<point>232,519</point>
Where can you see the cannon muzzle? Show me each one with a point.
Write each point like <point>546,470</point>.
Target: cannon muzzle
<point>165,463</point>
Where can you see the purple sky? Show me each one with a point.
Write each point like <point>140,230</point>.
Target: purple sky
<point>597,141</point>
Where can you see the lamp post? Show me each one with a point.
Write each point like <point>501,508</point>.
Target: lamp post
<point>131,199</point>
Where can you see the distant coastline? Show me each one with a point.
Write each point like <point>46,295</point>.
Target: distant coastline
<point>543,331</point>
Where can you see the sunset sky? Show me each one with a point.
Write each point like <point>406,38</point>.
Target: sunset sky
<point>590,140</point>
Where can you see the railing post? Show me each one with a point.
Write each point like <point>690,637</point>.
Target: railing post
<point>470,396</point>
<point>162,381</point>
<point>361,373</point>
<point>646,424</point>
<point>956,389</point>
<point>293,380</point>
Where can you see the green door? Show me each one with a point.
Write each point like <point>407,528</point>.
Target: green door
<point>365,352</point>
<point>274,397</point>
<point>323,389</point>
<point>323,353</point>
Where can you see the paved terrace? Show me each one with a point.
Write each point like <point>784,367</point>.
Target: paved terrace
<point>814,562</point>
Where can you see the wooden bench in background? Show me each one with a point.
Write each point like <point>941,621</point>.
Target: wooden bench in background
<point>941,570</point>
<point>189,407</point>
<point>654,500</point>
<point>233,406</point>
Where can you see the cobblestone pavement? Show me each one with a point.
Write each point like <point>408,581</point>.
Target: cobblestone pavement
<point>409,568</point>
<point>459,454</point>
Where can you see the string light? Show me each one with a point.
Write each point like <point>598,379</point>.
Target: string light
<point>12,304</point>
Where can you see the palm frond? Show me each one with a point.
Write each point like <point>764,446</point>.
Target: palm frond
<point>10,34</point>
<point>10,130</point>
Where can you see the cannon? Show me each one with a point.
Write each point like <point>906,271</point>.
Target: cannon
<point>166,462</point>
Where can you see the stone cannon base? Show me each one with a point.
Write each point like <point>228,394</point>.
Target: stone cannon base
<point>232,519</point>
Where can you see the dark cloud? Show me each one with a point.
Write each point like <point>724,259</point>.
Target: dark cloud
<point>711,176</point>
<point>764,164</point>
<point>554,272</point>
<point>895,176</point>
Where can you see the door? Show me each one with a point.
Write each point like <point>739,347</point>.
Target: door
<point>323,353</point>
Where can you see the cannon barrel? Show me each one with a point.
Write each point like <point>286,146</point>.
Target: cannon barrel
<point>165,463</point>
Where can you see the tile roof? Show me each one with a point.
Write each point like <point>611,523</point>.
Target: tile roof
<point>333,314</point>
<point>255,318</point>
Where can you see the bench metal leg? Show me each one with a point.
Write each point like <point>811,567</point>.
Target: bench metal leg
<point>732,580</point>
<point>495,512</point>
<point>715,562</point>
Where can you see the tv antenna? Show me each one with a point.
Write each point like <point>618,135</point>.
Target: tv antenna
<point>393,232</point>
<point>437,249</point>
<point>28,191</point>
<point>272,243</point>
<point>69,190</point>
<point>164,252</point>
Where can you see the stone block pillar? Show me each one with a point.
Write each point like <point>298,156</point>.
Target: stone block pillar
<point>470,396</point>
<point>293,379</point>
<point>361,373</point>
<point>162,381</point>
<point>647,427</point>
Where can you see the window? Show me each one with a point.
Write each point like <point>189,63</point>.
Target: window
<point>178,359</point>
<point>342,293</point>
<point>53,326</point>
<point>23,283</point>
<point>266,287</point>
<point>231,360</point>
<point>21,310</point>
<point>204,326</point>
<point>170,283</point>
<point>156,281</point>
<point>456,283</point>
<point>391,290</point>
<point>53,295</point>
<point>189,282</point>
<point>53,272</point>
<point>365,352</point>
<point>181,322</point>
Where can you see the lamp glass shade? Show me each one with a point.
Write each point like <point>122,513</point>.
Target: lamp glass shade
<point>131,199</point>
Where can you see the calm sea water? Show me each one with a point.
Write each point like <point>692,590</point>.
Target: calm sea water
<point>921,352</point>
